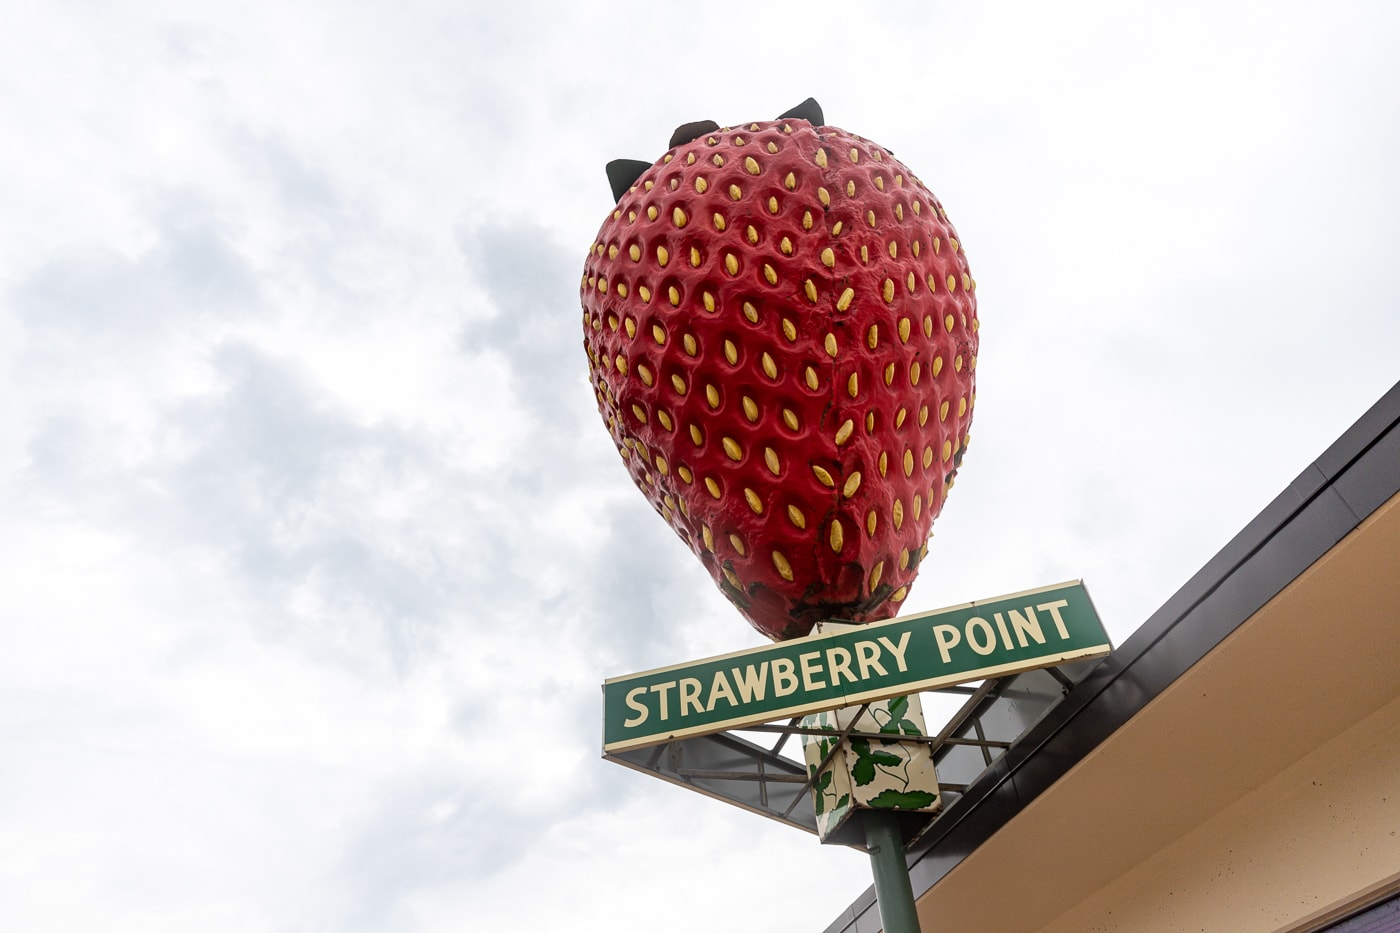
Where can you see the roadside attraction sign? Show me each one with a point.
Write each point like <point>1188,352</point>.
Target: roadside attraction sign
<point>979,640</point>
<point>782,336</point>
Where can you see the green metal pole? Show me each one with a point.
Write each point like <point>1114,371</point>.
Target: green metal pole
<point>892,889</point>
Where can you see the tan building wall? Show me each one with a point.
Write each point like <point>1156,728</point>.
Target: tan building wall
<point>1260,791</point>
<point>1233,767</point>
<point>1299,847</point>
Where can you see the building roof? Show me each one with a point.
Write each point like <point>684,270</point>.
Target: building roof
<point>1282,641</point>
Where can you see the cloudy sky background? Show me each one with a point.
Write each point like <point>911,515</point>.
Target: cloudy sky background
<point>313,550</point>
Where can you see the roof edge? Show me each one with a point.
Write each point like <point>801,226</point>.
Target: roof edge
<point>1352,478</point>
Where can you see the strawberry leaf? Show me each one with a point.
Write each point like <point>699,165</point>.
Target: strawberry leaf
<point>902,800</point>
<point>885,758</point>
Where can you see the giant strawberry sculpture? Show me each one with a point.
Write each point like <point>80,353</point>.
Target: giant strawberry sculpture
<point>782,336</point>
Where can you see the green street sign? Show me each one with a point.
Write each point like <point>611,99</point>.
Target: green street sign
<point>988,638</point>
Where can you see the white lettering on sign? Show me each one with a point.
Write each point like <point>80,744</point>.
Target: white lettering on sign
<point>813,670</point>
<point>784,680</point>
<point>690,696</point>
<point>988,642</point>
<point>854,664</point>
<point>868,657</point>
<point>1025,625</point>
<point>753,684</point>
<point>1054,610</point>
<point>720,689</point>
<point>838,661</point>
<point>661,689</point>
<point>810,670</point>
<point>633,704</point>
<point>1001,627</point>
<point>982,638</point>
<point>947,637</point>
<point>898,650</point>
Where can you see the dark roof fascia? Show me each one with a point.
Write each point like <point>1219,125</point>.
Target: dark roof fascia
<point>1358,473</point>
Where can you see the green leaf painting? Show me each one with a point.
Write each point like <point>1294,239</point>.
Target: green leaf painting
<point>902,800</point>
<point>886,773</point>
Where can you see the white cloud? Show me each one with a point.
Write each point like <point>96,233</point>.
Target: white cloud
<point>314,549</point>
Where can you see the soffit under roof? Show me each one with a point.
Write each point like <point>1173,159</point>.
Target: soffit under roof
<point>1328,539</point>
<point>1318,658</point>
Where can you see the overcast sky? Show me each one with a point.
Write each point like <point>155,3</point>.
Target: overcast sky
<point>313,548</point>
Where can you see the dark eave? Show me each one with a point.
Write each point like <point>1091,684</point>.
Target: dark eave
<point>1353,478</point>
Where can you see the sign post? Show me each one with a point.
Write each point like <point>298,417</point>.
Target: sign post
<point>893,891</point>
<point>867,674</point>
<point>979,640</point>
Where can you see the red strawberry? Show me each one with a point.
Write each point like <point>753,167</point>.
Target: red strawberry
<point>782,332</point>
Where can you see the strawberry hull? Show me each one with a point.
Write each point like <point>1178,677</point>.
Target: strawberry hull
<point>782,335</point>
